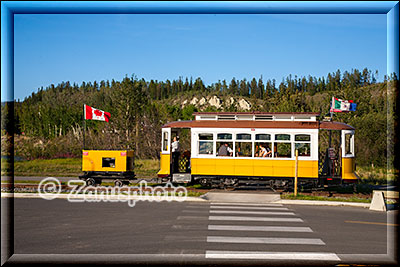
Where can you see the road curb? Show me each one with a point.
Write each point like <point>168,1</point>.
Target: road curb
<point>196,199</point>
<point>94,197</point>
<point>322,203</point>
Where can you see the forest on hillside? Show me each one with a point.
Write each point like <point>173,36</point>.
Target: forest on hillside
<point>48,123</point>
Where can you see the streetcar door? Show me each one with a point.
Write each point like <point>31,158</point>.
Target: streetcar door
<point>348,156</point>
<point>180,158</point>
<point>330,151</point>
<point>165,155</point>
<point>175,151</point>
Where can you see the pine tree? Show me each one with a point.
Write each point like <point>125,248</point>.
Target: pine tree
<point>233,87</point>
<point>254,91</point>
<point>260,88</point>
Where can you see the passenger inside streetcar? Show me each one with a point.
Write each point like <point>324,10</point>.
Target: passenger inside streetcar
<point>265,151</point>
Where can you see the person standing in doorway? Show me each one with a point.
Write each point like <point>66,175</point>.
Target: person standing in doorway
<point>175,154</point>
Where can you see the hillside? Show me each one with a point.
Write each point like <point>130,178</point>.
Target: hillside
<point>48,124</point>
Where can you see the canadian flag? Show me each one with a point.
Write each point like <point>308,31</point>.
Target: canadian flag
<point>96,114</point>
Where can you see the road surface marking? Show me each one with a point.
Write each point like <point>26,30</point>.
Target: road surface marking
<point>259,228</point>
<point>261,219</point>
<point>247,204</point>
<point>265,240</point>
<point>376,223</point>
<point>210,254</point>
<point>247,208</point>
<point>195,211</point>
<point>251,212</point>
<point>196,218</point>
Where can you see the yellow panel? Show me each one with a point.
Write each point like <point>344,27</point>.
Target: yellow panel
<point>283,168</point>
<point>224,166</point>
<point>203,166</point>
<point>253,167</point>
<point>165,163</point>
<point>263,167</point>
<point>348,168</point>
<point>92,160</point>
<point>308,168</point>
<point>244,167</point>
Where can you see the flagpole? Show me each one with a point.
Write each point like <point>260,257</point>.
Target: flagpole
<point>84,126</point>
<point>330,131</point>
<point>330,137</point>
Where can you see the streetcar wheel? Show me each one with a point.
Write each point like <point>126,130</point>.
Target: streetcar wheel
<point>118,183</point>
<point>90,182</point>
<point>203,182</point>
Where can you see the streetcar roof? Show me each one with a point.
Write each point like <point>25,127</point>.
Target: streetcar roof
<point>256,113</point>
<point>260,124</point>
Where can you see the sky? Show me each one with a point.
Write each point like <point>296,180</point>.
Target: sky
<point>52,48</point>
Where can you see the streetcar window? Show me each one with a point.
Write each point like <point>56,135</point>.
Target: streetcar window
<point>243,137</point>
<point>283,150</point>
<point>303,144</point>
<point>206,136</point>
<point>303,149</point>
<point>263,137</point>
<point>259,151</point>
<point>108,162</point>
<point>302,137</point>
<point>243,149</point>
<point>206,144</point>
<point>225,150</point>
<point>165,141</point>
<point>224,136</point>
<point>348,139</point>
<point>284,137</point>
<point>206,148</point>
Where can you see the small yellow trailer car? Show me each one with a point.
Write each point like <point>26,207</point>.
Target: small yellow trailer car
<point>116,165</point>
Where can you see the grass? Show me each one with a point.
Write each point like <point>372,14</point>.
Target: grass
<point>376,175</point>
<point>48,167</point>
<point>320,198</point>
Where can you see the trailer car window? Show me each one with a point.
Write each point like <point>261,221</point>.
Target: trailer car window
<point>108,162</point>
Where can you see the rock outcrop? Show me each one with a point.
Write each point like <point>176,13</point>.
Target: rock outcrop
<point>215,101</point>
<point>244,104</point>
<point>202,101</point>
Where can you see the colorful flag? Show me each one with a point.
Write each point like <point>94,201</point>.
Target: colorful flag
<point>96,114</point>
<point>339,105</point>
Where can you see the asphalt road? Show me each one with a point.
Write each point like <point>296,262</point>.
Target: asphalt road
<point>198,232</point>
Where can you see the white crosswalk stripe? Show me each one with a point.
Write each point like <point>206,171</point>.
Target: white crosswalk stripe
<point>258,219</point>
<point>251,212</point>
<point>259,228</point>
<point>247,204</point>
<point>247,208</point>
<point>242,214</point>
<point>314,256</point>
<point>265,240</point>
